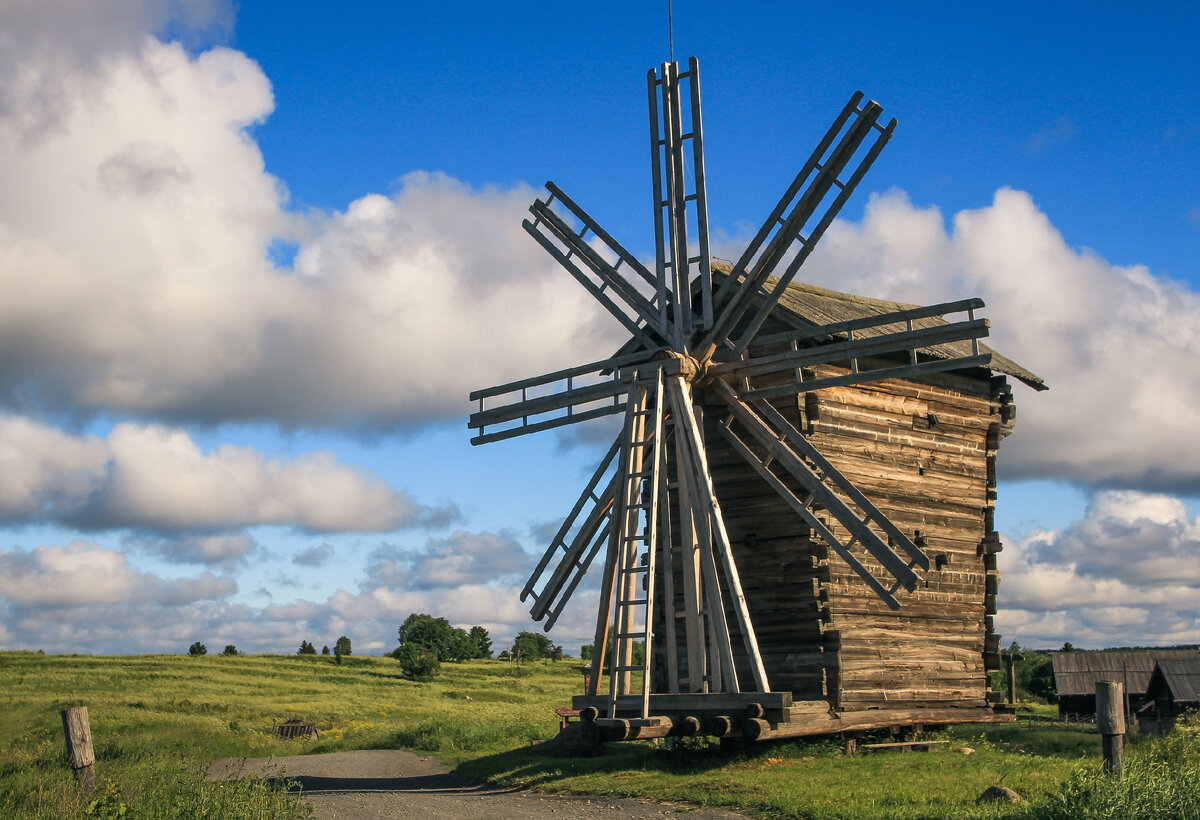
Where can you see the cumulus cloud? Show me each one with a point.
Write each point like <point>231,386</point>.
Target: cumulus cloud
<point>157,478</point>
<point>135,252</point>
<point>1127,573</point>
<point>1117,345</point>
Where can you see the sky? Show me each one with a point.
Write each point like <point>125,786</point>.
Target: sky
<point>254,258</point>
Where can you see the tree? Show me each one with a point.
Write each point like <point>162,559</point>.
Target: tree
<point>585,652</point>
<point>342,646</point>
<point>532,646</point>
<point>447,643</point>
<point>306,649</point>
<point>1068,647</point>
<point>197,649</point>
<point>230,649</point>
<point>482,640</point>
<point>325,649</point>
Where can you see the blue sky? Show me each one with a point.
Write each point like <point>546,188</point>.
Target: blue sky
<point>257,257</point>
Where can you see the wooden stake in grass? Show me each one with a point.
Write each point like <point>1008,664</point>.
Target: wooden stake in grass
<point>78,735</point>
<point>1110,720</point>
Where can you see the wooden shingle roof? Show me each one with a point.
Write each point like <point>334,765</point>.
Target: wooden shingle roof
<point>1180,677</point>
<point>1076,673</point>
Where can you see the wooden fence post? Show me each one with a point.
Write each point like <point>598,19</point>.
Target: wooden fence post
<point>78,735</point>
<point>1110,720</point>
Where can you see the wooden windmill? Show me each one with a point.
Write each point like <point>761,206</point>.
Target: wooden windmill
<point>710,362</point>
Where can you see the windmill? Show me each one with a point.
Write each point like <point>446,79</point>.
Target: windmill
<point>709,355</point>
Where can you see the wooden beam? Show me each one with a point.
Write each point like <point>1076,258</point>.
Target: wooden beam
<point>722,672</point>
<point>686,420</point>
<point>693,592</point>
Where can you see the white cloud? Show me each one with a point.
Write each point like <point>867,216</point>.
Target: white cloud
<point>463,558</point>
<point>1127,573</point>
<point>82,574</point>
<point>134,239</point>
<point>158,478</point>
<point>1117,345</point>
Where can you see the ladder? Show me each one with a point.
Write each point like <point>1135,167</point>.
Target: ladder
<point>637,536</point>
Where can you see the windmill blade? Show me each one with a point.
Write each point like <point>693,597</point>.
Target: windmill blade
<point>563,397</point>
<point>681,403</point>
<point>873,341</point>
<point>785,445</point>
<point>577,554</point>
<point>551,231</point>
<point>851,351</point>
<point>907,371</point>
<point>785,226</point>
<point>669,165</point>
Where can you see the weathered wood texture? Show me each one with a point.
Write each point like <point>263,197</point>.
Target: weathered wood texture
<point>78,735</point>
<point>923,451</point>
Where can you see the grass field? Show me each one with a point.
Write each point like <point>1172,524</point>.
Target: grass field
<point>157,721</point>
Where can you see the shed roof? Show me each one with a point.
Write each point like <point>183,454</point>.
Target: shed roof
<point>1180,676</point>
<point>1076,673</point>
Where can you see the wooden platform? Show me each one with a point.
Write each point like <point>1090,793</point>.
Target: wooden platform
<point>756,716</point>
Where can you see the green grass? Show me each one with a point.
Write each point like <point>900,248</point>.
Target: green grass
<point>157,721</point>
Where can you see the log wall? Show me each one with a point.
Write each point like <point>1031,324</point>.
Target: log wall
<point>923,452</point>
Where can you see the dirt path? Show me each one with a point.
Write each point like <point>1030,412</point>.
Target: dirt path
<point>372,785</point>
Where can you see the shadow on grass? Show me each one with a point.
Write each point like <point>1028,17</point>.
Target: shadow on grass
<point>543,766</point>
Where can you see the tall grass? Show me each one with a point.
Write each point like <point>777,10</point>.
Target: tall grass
<point>1161,779</point>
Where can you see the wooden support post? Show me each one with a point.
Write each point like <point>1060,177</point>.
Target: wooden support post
<point>78,735</point>
<point>1110,720</point>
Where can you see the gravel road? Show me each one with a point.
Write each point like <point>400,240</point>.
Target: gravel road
<point>372,785</point>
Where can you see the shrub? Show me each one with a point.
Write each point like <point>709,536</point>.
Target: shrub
<point>230,649</point>
<point>197,649</point>
<point>418,662</point>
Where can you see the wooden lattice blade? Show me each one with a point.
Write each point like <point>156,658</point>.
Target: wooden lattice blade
<point>788,245</point>
<point>672,170</point>
<point>906,341</point>
<point>555,399</point>
<point>783,444</point>
<point>574,545</point>
<point>600,278</point>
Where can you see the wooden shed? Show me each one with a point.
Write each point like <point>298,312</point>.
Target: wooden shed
<point>1076,674</point>
<point>1173,689</point>
<point>924,451</point>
